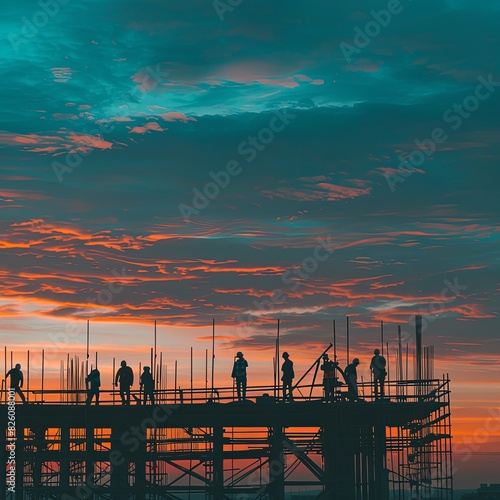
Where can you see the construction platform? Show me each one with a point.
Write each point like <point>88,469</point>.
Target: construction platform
<point>398,448</point>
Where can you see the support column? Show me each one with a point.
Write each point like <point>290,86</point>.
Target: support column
<point>138,457</point>
<point>89,457</point>
<point>338,459</point>
<point>64,455</point>
<point>119,460</point>
<point>381,474</point>
<point>218,463</point>
<point>276,465</point>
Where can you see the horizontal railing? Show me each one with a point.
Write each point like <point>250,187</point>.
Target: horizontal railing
<point>395,391</point>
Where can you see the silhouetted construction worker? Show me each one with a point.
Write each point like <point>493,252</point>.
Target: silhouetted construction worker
<point>148,384</point>
<point>240,375</point>
<point>351,378</point>
<point>94,380</point>
<point>377,366</point>
<point>126,377</point>
<point>16,380</point>
<point>330,379</point>
<point>288,376</point>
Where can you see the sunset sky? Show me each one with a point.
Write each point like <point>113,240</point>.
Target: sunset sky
<point>183,161</point>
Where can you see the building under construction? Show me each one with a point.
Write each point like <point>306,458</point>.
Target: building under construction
<point>201,444</point>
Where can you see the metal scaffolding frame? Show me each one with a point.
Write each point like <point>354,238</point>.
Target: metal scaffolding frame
<point>377,449</point>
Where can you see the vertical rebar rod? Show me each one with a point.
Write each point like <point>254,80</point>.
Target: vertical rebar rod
<point>153,368</point>
<point>278,357</point>
<point>161,375</point>
<point>28,378</point>
<point>347,339</point>
<point>113,379</point>
<point>5,371</point>
<point>191,376</point>
<point>400,346</point>
<point>43,371</point>
<point>382,336</point>
<point>334,341</point>
<point>175,382</point>
<point>213,354</point>
<point>418,347</point>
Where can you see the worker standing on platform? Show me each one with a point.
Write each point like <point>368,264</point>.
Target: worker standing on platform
<point>330,380</point>
<point>240,375</point>
<point>351,378</point>
<point>377,366</point>
<point>94,379</point>
<point>126,377</point>
<point>148,383</point>
<point>288,376</point>
<point>16,380</point>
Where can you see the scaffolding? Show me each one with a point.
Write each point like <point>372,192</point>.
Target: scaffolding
<point>199,443</point>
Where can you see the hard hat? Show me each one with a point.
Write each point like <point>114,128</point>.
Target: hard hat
<point>356,360</point>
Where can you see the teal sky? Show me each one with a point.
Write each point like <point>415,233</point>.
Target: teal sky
<point>174,161</point>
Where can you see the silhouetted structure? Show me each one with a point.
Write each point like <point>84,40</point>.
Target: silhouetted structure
<point>16,380</point>
<point>287,377</point>
<point>398,448</point>
<point>125,376</point>
<point>147,384</point>
<point>239,374</point>
<point>377,366</point>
